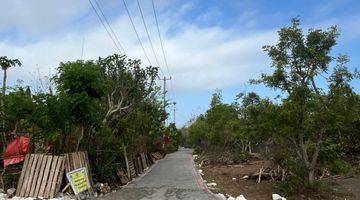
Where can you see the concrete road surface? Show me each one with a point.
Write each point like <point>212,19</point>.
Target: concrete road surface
<point>173,177</point>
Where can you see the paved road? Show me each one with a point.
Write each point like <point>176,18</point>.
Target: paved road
<point>171,178</point>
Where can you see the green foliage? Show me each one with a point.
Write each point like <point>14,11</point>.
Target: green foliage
<point>19,106</point>
<point>309,116</point>
<point>171,148</point>
<point>241,124</point>
<point>242,157</point>
<point>340,167</point>
<point>5,62</point>
<point>80,77</point>
<point>314,126</point>
<point>101,106</point>
<point>197,150</point>
<point>292,185</point>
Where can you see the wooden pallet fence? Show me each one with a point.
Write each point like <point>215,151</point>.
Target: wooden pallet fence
<point>41,176</point>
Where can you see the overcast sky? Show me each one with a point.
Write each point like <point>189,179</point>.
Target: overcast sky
<point>208,44</point>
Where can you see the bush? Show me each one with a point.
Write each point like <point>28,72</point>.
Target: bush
<point>340,167</point>
<point>292,185</point>
<point>241,157</point>
<point>197,150</point>
<point>105,173</point>
<point>10,180</point>
<point>171,148</point>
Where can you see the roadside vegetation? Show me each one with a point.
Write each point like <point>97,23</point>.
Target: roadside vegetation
<point>106,107</point>
<point>311,130</point>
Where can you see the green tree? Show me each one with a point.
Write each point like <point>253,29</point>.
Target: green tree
<point>5,64</point>
<point>18,108</point>
<point>253,125</point>
<point>126,84</point>
<point>305,116</point>
<point>81,85</point>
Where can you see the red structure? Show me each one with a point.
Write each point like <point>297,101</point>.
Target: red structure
<point>16,151</point>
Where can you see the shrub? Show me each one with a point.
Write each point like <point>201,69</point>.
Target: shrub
<point>340,167</point>
<point>171,148</point>
<point>241,157</point>
<point>197,150</point>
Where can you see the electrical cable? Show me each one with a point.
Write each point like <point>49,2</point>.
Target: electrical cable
<point>111,30</point>
<point>137,35</point>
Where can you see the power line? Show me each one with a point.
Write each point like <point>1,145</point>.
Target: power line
<point>147,32</point>
<point>162,47</point>
<point>111,30</point>
<point>161,43</point>
<point>103,24</point>
<point>137,35</point>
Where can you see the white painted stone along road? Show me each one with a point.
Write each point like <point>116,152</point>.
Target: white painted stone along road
<point>173,178</point>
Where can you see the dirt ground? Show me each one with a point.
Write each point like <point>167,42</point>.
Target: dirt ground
<point>349,186</point>
<point>223,176</point>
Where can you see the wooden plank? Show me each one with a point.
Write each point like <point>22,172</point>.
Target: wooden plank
<point>143,160</point>
<point>83,159</point>
<point>56,178</point>
<point>51,176</point>
<point>41,174</point>
<point>61,175</point>
<point>71,164</point>
<point>26,176</point>
<point>30,180</point>
<point>139,164</point>
<point>87,162</point>
<point>66,163</point>
<point>78,160</point>
<point>45,177</point>
<point>36,174</point>
<point>22,175</point>
<point>74,161</point>
<point>149,159</point>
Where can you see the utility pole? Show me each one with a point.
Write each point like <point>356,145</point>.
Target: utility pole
<point>82,48</point>
<point>174,110</point>
<point>165,91</point>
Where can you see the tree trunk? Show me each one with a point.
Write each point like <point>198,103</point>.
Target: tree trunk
<point>311,176</point>
<point>3,108</point>
<point>80,138</point>
<point>126,162</point>
<point>249,147</point>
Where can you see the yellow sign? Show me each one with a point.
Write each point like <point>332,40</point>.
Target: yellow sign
<point>79,180</point>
